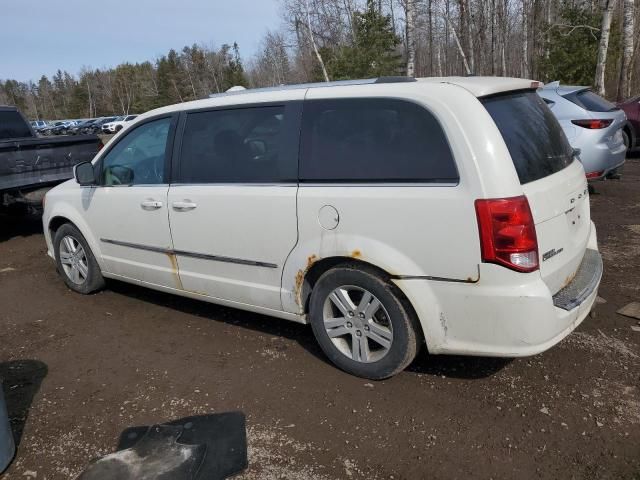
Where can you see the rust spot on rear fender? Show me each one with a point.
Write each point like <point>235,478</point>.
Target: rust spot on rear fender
<point>356,254</point>
<point>299,281</point>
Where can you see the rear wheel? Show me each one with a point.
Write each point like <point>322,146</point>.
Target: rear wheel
<point>75,261</point>
<point>362,323</point>
<point>626,139</point>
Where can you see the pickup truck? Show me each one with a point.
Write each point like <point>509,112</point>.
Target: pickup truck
<point>30,166</point>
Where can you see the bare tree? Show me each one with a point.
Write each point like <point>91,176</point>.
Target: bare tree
<point>627,49</point>
<point>313,42</point>
<point>410,13</point>
<point>601,65</point>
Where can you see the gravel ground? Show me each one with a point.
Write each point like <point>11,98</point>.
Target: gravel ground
<point>80,369</point>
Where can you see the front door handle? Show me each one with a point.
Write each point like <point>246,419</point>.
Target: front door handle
<point>183,206</point>
<point>151,205</point>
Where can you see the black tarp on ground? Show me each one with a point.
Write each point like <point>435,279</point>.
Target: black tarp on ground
<point>193,448</point>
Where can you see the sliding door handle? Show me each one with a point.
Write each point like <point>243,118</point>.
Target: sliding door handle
<point>151,205</point>
<point>183,206</point>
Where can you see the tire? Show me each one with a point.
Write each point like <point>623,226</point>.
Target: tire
<point>626,139</point>
<point>81,273</point>
<point>358,323</point>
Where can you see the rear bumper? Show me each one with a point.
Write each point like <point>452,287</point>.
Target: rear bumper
<point>600,160</point>
<point>584,283</point>
<point>504,314</point>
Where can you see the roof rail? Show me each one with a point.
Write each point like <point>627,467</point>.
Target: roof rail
<point>395,79</point>
<point>239,90</point>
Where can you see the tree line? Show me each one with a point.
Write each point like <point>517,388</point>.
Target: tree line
<point>584,42</point>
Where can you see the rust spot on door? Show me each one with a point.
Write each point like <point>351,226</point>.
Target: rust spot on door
<point>174,269</point>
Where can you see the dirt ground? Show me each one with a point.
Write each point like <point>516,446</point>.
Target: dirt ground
<point>80,369</point>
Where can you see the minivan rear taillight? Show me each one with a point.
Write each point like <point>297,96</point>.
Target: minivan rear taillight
<point>507,233</point>
<point>593,124</point>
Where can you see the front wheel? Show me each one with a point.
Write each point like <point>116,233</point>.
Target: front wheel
<point>362,323</point>
<point>75,261</point>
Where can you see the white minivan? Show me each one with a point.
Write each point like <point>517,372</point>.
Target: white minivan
<point>388,213</point>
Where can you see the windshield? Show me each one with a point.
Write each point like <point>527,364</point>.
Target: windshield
<point>535,140</point>
<point>591,101</point>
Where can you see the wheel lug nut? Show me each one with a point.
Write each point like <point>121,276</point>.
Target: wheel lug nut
<point>351,314</point>
<point>366,327</point>
<point>349,324</point>
<point>358,333</point>
<point>361,315</point>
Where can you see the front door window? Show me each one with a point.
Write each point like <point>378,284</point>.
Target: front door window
<point>139,158</point>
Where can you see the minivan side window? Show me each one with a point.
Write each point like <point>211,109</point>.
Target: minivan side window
<point>240,145</point>
<point>373,140</point>
<point>139,157</point>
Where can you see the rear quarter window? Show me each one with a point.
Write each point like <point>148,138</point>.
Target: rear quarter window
<point>373,140</point>
<point>536,142</point>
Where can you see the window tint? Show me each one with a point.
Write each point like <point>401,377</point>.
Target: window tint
<point>591,101</point>
<point>535,140</point>
<point>13,126</point>
<point>359,140</point>
<point>244,145</point>
<point>139,158</point>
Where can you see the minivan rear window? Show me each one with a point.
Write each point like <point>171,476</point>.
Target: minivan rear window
<point>535,140</point>
<point>591,101</point>
<point>373,140</point>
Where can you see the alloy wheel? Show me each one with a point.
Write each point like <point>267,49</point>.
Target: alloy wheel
<point>74,260</point>
<point>358,324</point>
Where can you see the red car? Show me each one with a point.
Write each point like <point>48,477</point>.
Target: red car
<point>631,131</point>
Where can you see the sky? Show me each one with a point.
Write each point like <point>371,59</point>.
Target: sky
<point>41,36</point>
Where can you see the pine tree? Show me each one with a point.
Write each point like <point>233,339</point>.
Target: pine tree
<point>374,49</point>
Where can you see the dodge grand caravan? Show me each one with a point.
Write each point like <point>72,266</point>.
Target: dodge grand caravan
<point>387,213</point>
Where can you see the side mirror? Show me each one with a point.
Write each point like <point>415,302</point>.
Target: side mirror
<point>84,173</point>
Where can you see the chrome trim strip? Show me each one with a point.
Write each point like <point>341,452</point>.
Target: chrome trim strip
<point>320,184</point>
<point>203,256</point>
<point>217,258</point>
<point>437,279</point>
<point>136,245</point>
